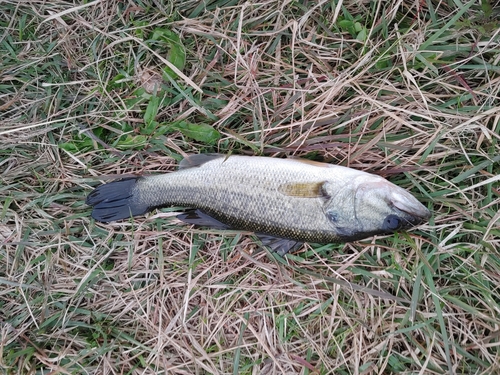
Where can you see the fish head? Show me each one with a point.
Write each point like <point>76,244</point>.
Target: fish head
<point>372,205</point>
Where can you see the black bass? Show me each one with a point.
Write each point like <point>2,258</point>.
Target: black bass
<point>285,201</point>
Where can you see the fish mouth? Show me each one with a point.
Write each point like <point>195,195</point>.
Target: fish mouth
<point>411,210</point>
<point>413,220</point>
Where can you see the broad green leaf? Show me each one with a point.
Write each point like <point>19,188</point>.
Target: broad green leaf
<point>361,35</point>
<point>200,132</point>
<point>487,8</point>
<point>348,26</point>
<point>176,51</point>
<point>131,142</point>
<point>151,110</point>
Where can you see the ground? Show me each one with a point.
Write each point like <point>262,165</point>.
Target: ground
<point>98,89</point>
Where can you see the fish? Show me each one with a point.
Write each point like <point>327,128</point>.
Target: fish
<point>286,202</point>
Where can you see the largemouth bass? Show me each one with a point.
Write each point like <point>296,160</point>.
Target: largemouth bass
<point>285,201</point>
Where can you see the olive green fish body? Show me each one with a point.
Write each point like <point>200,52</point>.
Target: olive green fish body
<point>245,194</point>
<point>286,198</point>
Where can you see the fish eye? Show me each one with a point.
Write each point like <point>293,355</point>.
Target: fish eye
<point>392,222</point>
<point>332,216</point>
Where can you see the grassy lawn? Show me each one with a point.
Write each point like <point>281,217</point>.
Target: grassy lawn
<point>90,90</point>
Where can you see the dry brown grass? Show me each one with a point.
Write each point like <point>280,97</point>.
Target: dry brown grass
<point>416,99</point>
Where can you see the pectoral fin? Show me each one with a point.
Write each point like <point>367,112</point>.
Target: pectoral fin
<point>303,189</point>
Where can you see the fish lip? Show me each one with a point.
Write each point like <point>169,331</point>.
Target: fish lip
<point>420,212</point>
<point>414,218</point>
<point>411,208</point>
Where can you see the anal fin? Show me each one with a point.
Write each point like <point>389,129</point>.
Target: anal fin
<point>200,218</point>
<point>281,246</point>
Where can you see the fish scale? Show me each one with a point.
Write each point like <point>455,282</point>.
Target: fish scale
<point>255,206</point>
<point>285,198</point>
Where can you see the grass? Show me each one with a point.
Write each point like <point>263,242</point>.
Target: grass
<point>408,90</point>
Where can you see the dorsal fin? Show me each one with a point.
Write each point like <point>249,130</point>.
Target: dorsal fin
<point>196,160</point>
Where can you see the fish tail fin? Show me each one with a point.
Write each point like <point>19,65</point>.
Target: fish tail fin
<point>114,201</point>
